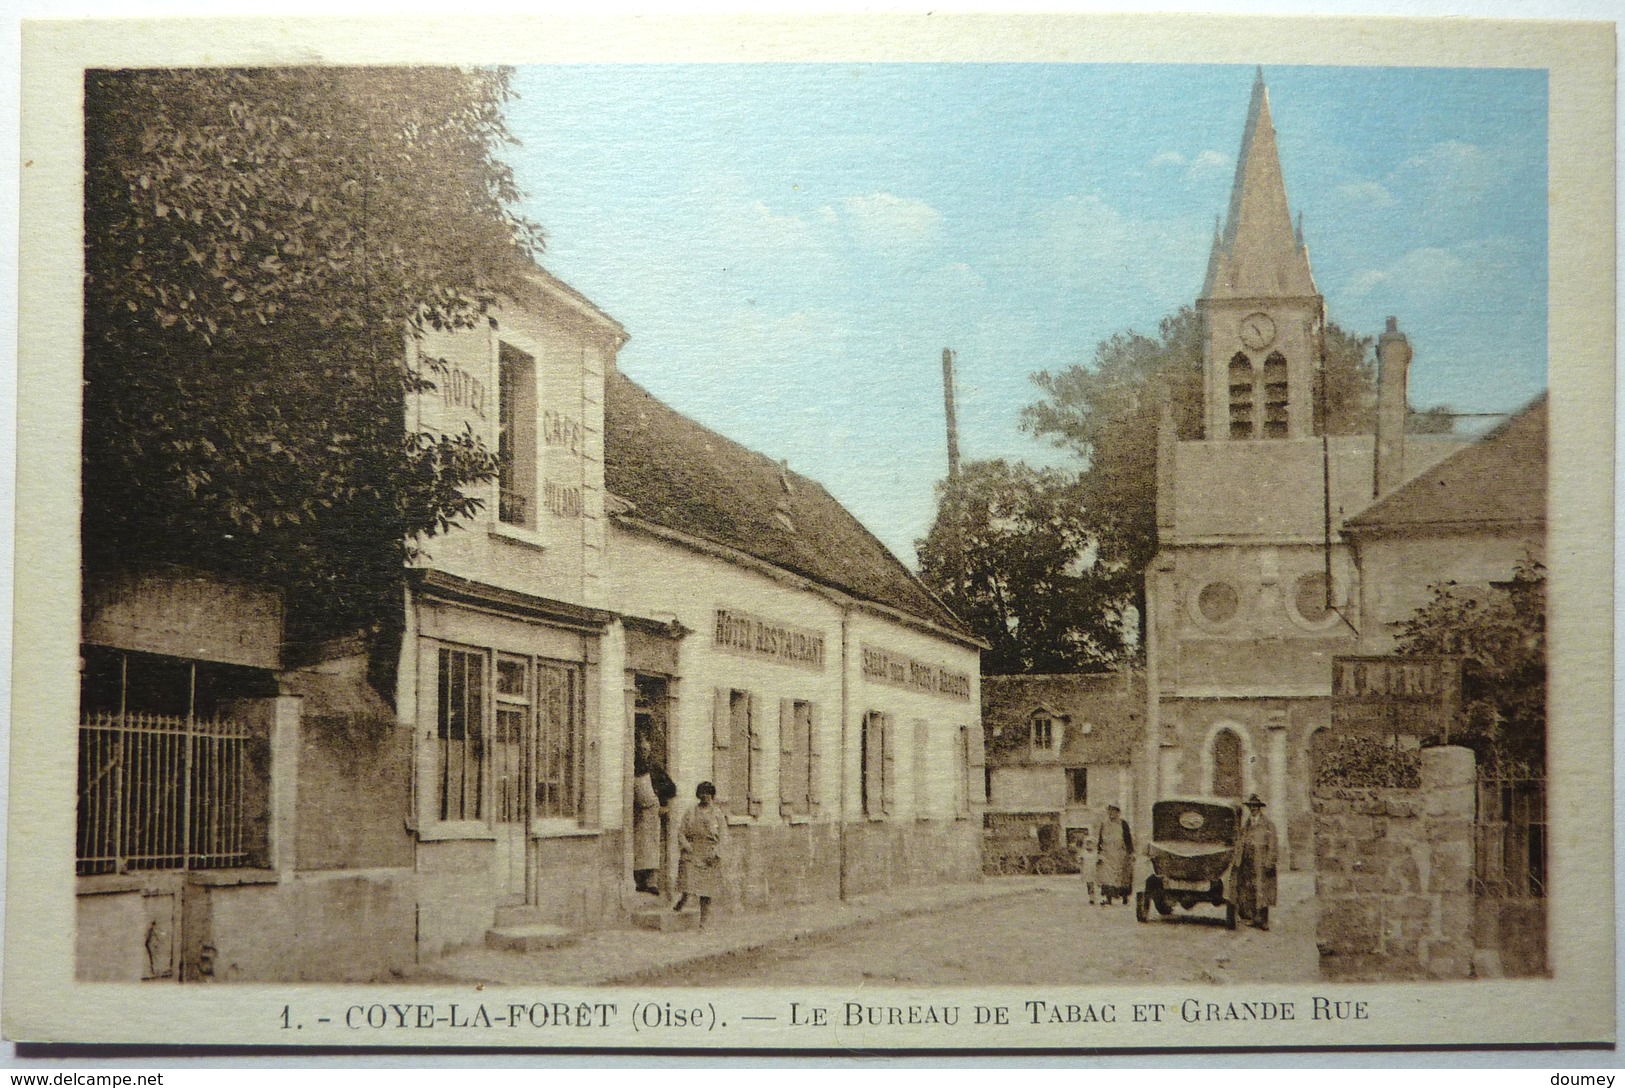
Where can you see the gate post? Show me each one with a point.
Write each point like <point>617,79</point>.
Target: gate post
<point>1448,778</point>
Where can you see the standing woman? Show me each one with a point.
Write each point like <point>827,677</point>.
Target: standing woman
<point>1114,865</point>
<point>699,840</point>
<point>645,821</point>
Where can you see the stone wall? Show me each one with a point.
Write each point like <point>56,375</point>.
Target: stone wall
<point>1393,875</point>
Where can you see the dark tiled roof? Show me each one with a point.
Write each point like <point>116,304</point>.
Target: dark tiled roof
<point>1112,704</point>
<point>1499,480</point>
<point>681,476</point>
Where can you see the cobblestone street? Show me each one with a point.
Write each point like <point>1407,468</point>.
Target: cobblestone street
<point>1051,936</point>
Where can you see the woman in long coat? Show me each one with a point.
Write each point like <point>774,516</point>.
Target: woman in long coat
<point>1256,875</point>
<point>699,841</point>
<point>1114,857</point>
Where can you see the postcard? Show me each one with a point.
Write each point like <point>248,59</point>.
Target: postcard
<point>932,532</point>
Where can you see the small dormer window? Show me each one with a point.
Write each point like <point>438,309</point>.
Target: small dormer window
<point>1044,733</point>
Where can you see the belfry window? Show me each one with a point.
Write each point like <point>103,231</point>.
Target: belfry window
<point>1241,396</point>
<point>1275,396</point>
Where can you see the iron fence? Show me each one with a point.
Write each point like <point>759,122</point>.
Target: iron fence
<point>160,791</point>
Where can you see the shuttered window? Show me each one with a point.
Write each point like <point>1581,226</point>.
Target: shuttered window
<point>796,748</point>
<point>920,772</point>
<point>736,752</point>
<point>972,774</point>
<point>879,765</point>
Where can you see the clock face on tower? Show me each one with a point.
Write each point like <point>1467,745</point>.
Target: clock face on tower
<point>1257,331</point>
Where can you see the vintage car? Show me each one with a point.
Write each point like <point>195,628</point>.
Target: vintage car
<point>1195,850</point>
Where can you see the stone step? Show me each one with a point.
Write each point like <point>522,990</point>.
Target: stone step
<point>665,919</point>
<point>522,914</point>
<point>532,937</point>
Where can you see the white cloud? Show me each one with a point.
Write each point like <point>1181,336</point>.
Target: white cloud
<point>1207,164</point>
<point>1368,193</point>
<point>885,220</point>
<point>1168,158</point>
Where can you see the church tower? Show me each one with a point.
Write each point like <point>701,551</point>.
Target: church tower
<point>1262,316</point>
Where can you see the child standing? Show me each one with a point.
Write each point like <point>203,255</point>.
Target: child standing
<point>699,841</point>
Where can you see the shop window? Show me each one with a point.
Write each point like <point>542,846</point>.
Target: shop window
<point>879,765</point>
<point>174,764</point>
<point>799,761</point>
<point>1077,785</point>
<point>560,758</point>
<point>736,752</point>
<point>1227,776</point>
<point>460,731</point>
<point>516,438</point>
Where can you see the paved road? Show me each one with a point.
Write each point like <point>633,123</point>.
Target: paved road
<point>1052,936</point>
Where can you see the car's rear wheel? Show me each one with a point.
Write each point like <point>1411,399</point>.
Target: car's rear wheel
<point>1229,916</point>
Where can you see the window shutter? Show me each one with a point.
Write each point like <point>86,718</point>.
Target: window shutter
<point>871,764</point>
<point>962,757</point>
<point>721,729</point>
<point>753,757</point>
<point>888,773</point>
<point>976,766</point>
<point>815,765</point>
<point>787,757</point>
<point>922,784</point>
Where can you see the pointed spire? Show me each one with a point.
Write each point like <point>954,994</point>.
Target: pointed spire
<point>1297,235</point>
<point>1259,254</point>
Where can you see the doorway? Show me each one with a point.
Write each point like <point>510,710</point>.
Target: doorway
<point>651,725</point>
<point>510,771</point>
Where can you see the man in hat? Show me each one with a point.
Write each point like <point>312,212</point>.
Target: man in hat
<point>1255,876</point>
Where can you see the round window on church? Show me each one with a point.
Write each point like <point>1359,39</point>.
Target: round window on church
<point>1218,602</point>
<point>1310,599</point>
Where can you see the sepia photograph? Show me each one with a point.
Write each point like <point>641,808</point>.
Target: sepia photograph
<point>893,545</point>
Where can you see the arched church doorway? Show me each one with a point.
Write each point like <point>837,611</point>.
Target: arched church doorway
<point>1227,769</point>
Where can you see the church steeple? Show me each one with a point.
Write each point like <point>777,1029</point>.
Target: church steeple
<point>1258,254</point>
<point>1262,318</point>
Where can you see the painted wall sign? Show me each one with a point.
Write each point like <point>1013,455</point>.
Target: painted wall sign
<point>561,431</point>
<point>897,670</point>
<point>460,389</point>
<point>1395,694</point>
<point>743,633</point>
<point>561,501</point>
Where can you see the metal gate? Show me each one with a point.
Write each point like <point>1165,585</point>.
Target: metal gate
<point>1510,837</point>
<point>159,791</point>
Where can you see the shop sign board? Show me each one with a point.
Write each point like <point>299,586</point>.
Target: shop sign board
<point>1416,695</point>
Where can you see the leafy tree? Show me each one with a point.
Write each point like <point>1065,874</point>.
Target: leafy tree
<point>1108,413</point>
<point>1010,554</point>
<point>1500,633</point>
<point>259,244</point>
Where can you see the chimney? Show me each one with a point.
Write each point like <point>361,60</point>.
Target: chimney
<point>953,419</point>
<point>1393,406</point>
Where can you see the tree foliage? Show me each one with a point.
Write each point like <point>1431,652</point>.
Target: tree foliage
<point>259,244</point>
<point>1009,553</point>
<point>1500,633</point>
<point>1107,413</point>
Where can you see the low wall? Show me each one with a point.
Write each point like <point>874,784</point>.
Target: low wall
<point>1393,875</point>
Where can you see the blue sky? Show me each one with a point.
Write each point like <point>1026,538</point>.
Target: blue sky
<point>792,246</point>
